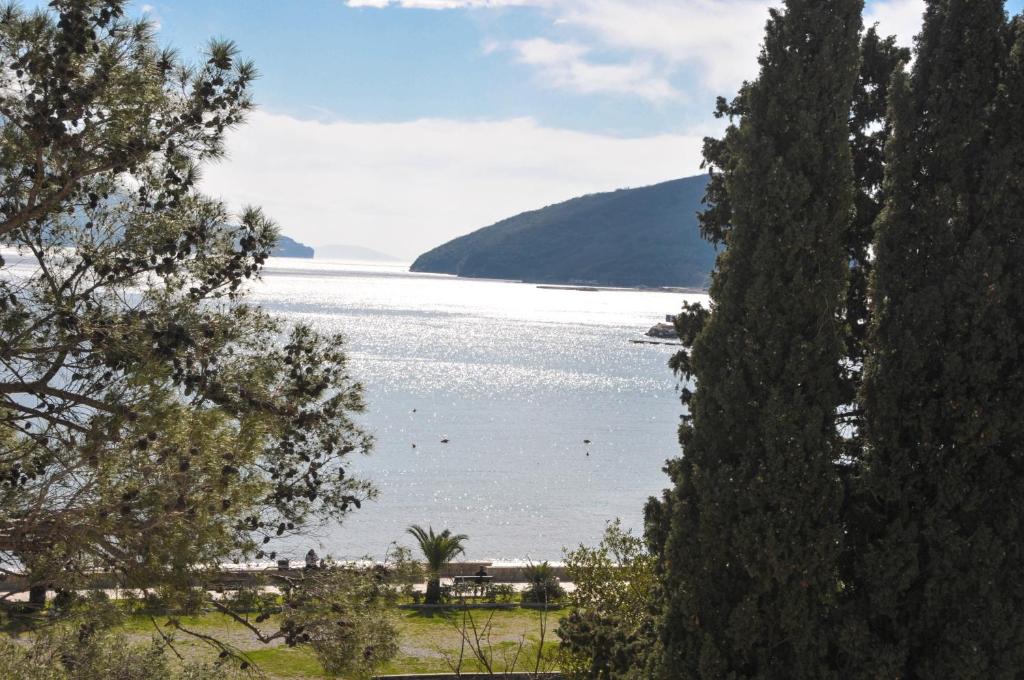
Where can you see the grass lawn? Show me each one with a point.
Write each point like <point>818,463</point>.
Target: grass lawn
<point>425,640</point>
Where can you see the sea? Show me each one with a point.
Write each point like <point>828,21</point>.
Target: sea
<point>481,397</point>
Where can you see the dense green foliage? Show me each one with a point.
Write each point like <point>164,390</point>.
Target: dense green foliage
<point>939,577</point>
<point>631,237</point>
<point>869,131</point>
<point>86,644</point>
<point>921,578</point>
<point>439,550</point>
<point>346,615</point>
<point>149,425</point>
<point>754,530</point>
<point>609,626</point>
<point>85,654</point>
<point>543,586</point>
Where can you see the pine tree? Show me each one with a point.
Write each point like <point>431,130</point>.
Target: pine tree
<point>754,532</point>
<point>152,425</point>
<point>941,580</point>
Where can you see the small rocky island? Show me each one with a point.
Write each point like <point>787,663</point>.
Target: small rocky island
<point>664,331</point>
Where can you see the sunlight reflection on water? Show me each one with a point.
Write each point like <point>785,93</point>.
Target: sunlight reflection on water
<point>516,377</point>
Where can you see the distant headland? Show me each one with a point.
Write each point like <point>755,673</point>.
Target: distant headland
<point>289,247</point>
<point>645,237</point>
<point>356,253</point>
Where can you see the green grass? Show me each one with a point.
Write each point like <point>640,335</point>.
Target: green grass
<point>425,638</point>
<point>285,662</point>
<point>438,633</point>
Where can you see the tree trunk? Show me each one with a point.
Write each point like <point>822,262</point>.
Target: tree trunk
<point>37,596</point>
<point>433,591</point>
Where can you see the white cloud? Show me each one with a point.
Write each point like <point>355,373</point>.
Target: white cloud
<point>564,65</point>
<point>407,187</point>
<point>719,38</point>
<point>717,41</point>
<point>901,18</point>
<point>149,12</point>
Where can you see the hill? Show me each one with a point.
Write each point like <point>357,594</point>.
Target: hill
<point>357,253</point>
<point>287,247</point>
<point>631,237</point>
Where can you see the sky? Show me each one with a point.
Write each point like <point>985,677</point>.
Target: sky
<point>400,124</point>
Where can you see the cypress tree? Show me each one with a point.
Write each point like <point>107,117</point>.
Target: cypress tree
<point>869,129</point>
<point>942,580</point>
<point>754,532</point>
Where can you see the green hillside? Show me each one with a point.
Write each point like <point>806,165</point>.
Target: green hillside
<point>631,237</point>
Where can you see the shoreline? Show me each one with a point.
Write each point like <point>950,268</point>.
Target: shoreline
<point>679,290</point>
<point>583,286</point>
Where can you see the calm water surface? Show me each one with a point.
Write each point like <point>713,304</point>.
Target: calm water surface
<point>515,377</point>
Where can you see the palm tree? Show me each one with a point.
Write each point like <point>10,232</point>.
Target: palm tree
<point>544,585</point>
<point>439,549</point>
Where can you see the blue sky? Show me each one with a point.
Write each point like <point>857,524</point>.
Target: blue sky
<point>398,124</point>
<point>323,59</point>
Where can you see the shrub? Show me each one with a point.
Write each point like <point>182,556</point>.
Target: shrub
<point>88,653</point>
<point>543,584</point>
<point>609,625</point>
<point>503,592</point>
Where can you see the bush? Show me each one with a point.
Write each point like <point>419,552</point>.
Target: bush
<point>609,625</point>
<point>249,599</point>
<point>543,584</point>
<point>346,616</point>
<point>149,603</point>
<point>87,653</point>
<point>65,600</point>
<point>171,599</point>
<point>503,592</point>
